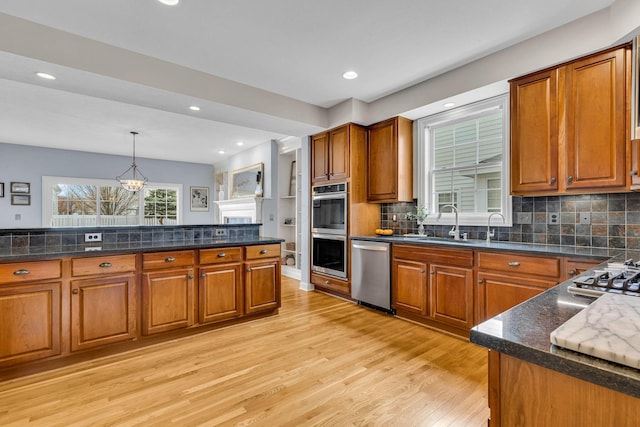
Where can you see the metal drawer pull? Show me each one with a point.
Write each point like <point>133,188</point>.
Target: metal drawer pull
<point>75,291</point>
<point>422,270</point>
<point>222,255</point>
<point>169,259</point>
<point>248,270</point>
<point>552,181</point>
<point>480,281</point>
<point>21,272</point>
<point>569,179</point>
<point>514,264</point>
<point>105,265</point>
<point>190,276</point>
<point>203,275</point>
<point>572,272</point>
<point>264,251</point>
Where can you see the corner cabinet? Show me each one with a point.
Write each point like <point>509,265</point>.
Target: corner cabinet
<point>30,309</point>
<point>569,126</point>
<point>390,161</point>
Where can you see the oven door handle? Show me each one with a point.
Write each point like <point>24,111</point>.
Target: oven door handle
<point>329,196</point>
<point>330,237</point>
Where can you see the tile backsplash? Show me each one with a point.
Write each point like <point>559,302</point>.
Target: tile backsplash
<point>613,221</point>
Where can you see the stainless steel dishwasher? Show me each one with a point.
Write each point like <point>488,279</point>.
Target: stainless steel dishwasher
<point>370,273</point>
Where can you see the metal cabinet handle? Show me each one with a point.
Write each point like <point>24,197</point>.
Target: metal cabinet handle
<point>105,265</point>
<point>203,275</point>
<point>480,281</point>
<point>552,181</point>
<point>21,272</point>
<point>190,276</point>
<point>222,255</point>
<point>633,173</point>
<point>513,264</point>
<point>422,270</point>
<point>248,270</point>
<point>75,291</point>
<point>169,259</point>
<point>569,179</point>
<point>326,282</point>
<point>264,251</point>
<point>432,272</point>
<point>572,272</point>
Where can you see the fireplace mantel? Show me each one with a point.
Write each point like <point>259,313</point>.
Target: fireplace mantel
<point>237,211</point>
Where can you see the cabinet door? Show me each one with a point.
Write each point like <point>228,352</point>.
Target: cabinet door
<point>102,311</point>
<point>595,116</point>
<point>220,293</point>
<point>410,286</point>
<point>29,322</point>
<point>452,295</point>
<point>339,153</point>
<point>320,157</point>
<point>534,133</point>
<point>382,161</point>
<point>262,286</point>
<point>502,292</point>
<point>167,300</point>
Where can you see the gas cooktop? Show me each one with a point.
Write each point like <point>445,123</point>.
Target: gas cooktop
<point>620,278</point>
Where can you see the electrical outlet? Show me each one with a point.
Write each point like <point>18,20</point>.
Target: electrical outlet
<point>585,217</point>
<point>221,231</point>
<point>553,218</point>
<point>93,237</point>
<point>524,218</point>
<point>394,218</point>
<point>93,248</point>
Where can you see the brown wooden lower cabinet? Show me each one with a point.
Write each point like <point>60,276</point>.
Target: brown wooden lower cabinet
<point>167,300</point>
<point>331,284</point>
<point>528,395</point>
<point>103,311</point>
<point>262,285</point>
<point>452,295</point>
<point>502,292</point>
<point>220,293</point>
<point>410,286</point>
<point>30,322</point>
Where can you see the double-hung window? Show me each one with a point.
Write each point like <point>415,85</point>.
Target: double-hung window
<point>84,202</point>
<point>463,161</point>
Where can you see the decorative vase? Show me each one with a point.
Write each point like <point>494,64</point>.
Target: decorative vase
<point>420,228</point>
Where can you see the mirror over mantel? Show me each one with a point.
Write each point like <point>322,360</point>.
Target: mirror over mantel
<point>247,182</point>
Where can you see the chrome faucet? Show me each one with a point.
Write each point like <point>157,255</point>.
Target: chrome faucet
<point>455,232</point>
<point>490,233</point>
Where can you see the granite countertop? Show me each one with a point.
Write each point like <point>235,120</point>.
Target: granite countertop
<point>524,332</point>
<point>500,246</point>
<point>86,249</point>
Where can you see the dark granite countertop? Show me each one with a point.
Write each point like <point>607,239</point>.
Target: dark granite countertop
<point>499,246</point>
<point>524,331</point>
<point>93,249</point>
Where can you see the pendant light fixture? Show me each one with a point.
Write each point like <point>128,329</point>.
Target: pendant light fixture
<point>137,182</point>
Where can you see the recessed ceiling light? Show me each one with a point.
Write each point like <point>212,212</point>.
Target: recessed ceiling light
<point>350,75</point>
<point>46,76</point>
<point>220,151</point>
<point>449,104</point>
<point>239,143</point>
<point>169,2</point>
<point>194,108</point>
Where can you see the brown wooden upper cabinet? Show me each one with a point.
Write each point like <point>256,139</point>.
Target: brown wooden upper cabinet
<point>569,126</point>
<point>390,161</point>
<point>330,155</point>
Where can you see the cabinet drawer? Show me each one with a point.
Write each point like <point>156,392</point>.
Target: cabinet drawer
<point>457,257</point>
<point>103,265</point>
<point>155,260</point>
<point>519,264</point>
<point>18,272</point>
<point>262,251</point>
<point>220,255</point>
<point>337,285</point>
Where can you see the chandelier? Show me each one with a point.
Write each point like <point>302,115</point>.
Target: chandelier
<point>138,180</point>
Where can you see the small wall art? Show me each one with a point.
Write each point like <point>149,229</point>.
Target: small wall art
<point>199,199</point>
<point>20,187</point>
<point>21,199</point>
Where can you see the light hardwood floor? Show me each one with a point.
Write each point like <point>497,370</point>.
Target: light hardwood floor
<point>321,361</point>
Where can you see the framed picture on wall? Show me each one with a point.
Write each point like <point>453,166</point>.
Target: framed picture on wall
<point>20,187</point>
<point>20,199</point>
<point>199,199</point>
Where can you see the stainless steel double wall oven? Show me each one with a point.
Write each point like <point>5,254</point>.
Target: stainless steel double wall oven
<point>329,229</point>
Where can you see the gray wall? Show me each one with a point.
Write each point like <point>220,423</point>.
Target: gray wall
<point>29,164</point>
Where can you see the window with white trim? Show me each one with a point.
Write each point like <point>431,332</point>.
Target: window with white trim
<point>463,161</point>
<point>86,202</point>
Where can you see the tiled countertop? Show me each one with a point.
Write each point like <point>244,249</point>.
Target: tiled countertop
<point>524,331</point>
<point>131,247</point>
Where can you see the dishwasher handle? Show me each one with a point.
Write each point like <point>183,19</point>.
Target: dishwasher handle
<point>370,248</point>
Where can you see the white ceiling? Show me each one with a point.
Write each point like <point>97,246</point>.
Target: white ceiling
<point>289,52</point>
